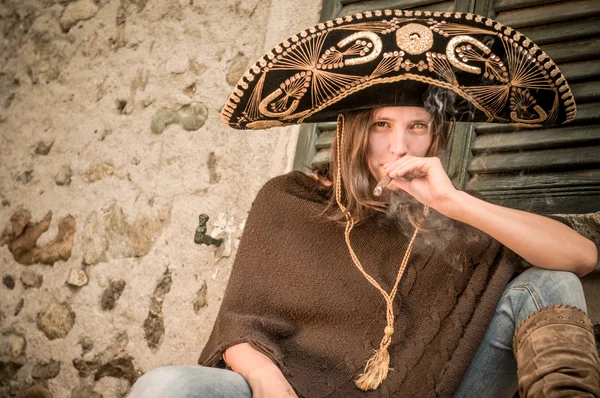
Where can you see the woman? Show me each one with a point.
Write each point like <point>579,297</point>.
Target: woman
<point>329,296</point>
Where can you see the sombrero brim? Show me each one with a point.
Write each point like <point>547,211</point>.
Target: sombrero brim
<point>386,58</point>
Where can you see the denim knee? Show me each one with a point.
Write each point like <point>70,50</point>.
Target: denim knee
<point>537,288</point>
<point>190,382</point>
<point>154,381</point>
<point>549,287</point>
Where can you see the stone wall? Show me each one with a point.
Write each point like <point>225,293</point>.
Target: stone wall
<point>110,148</point>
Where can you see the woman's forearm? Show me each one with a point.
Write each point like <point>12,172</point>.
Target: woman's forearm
<point>541,241</point>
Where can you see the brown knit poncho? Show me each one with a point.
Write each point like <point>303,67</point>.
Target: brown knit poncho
<point>295,294</point>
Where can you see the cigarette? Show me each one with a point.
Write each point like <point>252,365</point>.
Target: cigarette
<point>385,181</point>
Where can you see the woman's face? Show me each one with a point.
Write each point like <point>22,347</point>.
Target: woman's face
<point>396,132</point>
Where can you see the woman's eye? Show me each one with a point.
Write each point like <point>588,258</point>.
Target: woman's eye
<point>380,124</point>
<point>419,128</point>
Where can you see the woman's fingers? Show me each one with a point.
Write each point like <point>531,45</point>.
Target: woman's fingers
<point>409,167</point>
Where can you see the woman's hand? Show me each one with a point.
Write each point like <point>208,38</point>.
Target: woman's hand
<point>430,185</point>
<point>263,376</point>
<point>269,382</point>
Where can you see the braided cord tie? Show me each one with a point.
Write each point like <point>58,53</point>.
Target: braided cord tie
<point>376,367</point>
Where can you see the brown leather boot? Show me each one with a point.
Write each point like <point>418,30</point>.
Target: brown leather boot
<point>556,354</point>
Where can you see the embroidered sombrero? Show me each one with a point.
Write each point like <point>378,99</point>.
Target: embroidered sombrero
<point>381,58</point>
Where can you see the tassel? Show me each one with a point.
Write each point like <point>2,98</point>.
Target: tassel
<point>376,370</point>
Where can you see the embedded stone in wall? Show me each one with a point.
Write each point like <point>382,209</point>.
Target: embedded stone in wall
<point>30,279</point>
<point>25,176</point>
<point>126,106</point>
<point>86,368</point>
<point>237,67</point>
<point>46,370</point>
<point>191,117</point>
<point>36,391</point>
<point>117,232</point>
<point>24,246</point>
<point>162,119</point>
<point>111,362</point>
<point>18,222</point>
<point>119,367</point>
<point>145,230</point>
<point>77,11</point>
<point>9,86</point>
<point>121,20</point>
<point>197,67</point>
<point>94,240</point>
<point>226,229</point>
<point>17,345</point>
<point>8,281</point>
<point>201,298</point>
<point>77,277</point>
<point>154,327</point>
<point>64,175</point>
<point>98,172</point>
<point>211,163</point>
<point>56,320</point>
<point>84,392</point>
<point>112,294</point>
<point>43,147</point>
<point>122,239</point>
<point>8,371</point>
<point>86,344</point>
<point>19,307</point>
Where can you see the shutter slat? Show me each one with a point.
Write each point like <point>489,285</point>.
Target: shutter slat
<point>556,203</point>
<point>326,126</point>
<point>535,181</point>
<point>504,5</point>
<point>582,70</point>
<point>445,6</point>
<point>586,91</point>
<point>574,50</point>
<point>587,113</point>
<point>361,6</point>
<point>571,30</point>
<point>544,192</point>
<point>537,139</point>
<point>547,159</point>
<point>325,139</point>
<point>549,13</point>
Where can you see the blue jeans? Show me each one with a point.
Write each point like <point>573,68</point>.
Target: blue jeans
<point>493,372</point>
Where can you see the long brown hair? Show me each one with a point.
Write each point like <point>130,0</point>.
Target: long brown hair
<point>357,181</point>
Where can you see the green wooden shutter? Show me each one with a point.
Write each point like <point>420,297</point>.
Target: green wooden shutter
<point>554,170</point>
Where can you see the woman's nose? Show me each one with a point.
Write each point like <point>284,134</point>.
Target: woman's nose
<point>398,143</point>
